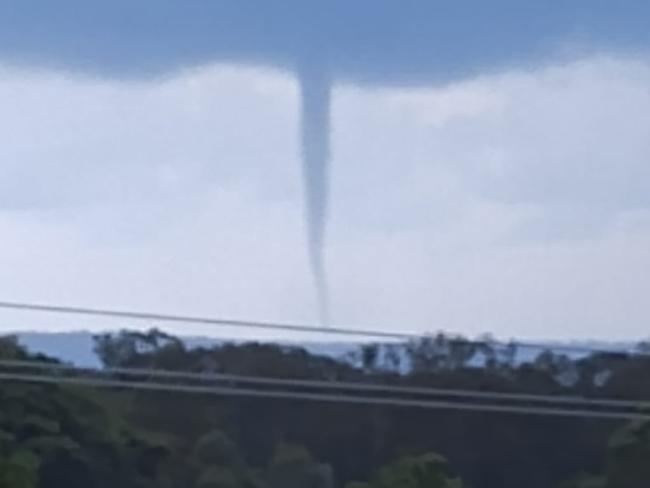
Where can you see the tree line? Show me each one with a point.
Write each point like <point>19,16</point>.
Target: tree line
<point>70,436</point>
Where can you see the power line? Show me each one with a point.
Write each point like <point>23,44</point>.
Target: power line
<point>344,331</point>
<point>249,324</point>
<point>335,385</point>
<point>325,397</point>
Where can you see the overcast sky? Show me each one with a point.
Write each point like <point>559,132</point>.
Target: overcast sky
<point>515,202</point>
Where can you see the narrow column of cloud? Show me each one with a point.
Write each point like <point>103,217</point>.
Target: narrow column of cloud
<point>315,100</point>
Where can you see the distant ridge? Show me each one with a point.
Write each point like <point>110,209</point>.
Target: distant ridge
<point>76,347</point>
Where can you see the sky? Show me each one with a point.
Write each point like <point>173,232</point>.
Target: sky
<point>512,199</point>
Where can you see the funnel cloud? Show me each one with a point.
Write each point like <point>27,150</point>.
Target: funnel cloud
<point>375,43</point>
<point>315,136</point>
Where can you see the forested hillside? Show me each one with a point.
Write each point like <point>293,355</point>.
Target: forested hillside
<point>55,435</point>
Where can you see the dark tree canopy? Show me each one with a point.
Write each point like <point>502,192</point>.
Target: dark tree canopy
<point>53,436</point>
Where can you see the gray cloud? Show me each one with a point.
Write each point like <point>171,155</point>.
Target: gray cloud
<point>423,184</point>
<point>367,41</point>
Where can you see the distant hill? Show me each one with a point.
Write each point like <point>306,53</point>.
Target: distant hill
<point>73,347</point>
<point>77,347</point>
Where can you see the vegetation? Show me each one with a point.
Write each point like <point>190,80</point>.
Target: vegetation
<point>63,436</point>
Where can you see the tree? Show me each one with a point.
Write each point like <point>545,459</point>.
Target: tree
<point>53,436</point>
<point>585,481</point>
<point>19,470</point>
<point>135,348</point>
<point>628,464</point>
<point>293,467</point>
<point>424,471</point>
<point>369,357</point>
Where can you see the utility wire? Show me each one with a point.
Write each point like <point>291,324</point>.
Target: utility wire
<point>239,323</point>
<point>335,385</point>
<point>249,324</point>
<point>325,397</point>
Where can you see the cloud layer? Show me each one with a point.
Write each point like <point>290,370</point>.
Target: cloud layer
<point>514,203</point>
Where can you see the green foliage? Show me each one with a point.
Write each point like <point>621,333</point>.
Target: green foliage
<point>425,471</point>
<point>217,449</point>
<point>218,477</point>
<point>629,457</point>
<point>9,348</point>
<point>53,437</point>
<point>19,470</point>
<point>585,481</point>
<point>129,348</point>
<point>628,461</point>
<point>293,467</point>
